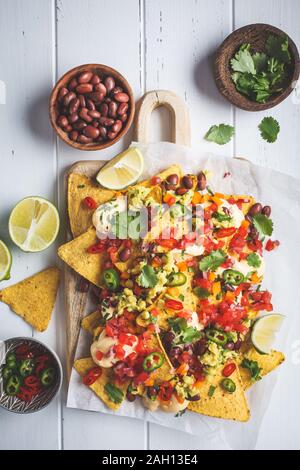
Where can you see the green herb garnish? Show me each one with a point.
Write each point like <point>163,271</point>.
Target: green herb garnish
<point>147,277</point>
<point>269,129</point>
<point>263,224</point>
<point>253,368</point>
<point>220,134</point>
<point>212,261</point>
<point>253,260</point>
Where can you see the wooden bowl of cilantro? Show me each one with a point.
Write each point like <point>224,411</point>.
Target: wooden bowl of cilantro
<point>256,67</point>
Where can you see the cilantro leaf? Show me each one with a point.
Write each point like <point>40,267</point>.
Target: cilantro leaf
<point>253,368</point>
<point>279,48</point>
<point>269,129</point>
<point>220,134</point>
<point>147,277</point>
<point>263,224</point>
<point>212,261</point>
<point>183,332</point>
<point>260,61</point>
<point>242,61</point>
<point>201,292</point>
<point>222,217</point>
<point>254,260</point>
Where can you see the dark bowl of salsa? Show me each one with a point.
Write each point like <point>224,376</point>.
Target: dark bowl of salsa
<point>30,375</point>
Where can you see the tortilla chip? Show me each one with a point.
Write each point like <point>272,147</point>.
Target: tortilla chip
<point>33,298</point>
<point>79,187</point>
<point>91,321</point>
<point>222,404</point>
<point>166,371</point>
<point>267,363</point>
<point>82,366</point>
<point>75,254</point>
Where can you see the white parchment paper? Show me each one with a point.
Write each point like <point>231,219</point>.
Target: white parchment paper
<point>270,187</point>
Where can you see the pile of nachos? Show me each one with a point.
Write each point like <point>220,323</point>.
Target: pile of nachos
<point>176,271</point>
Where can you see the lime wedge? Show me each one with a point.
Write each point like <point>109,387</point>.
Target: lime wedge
<point>264,330</point>
<point>5,261</point>
<point>123,170</point>
<point>33,224</point>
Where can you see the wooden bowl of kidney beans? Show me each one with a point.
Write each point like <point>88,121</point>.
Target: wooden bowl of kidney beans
<point>91,107</point>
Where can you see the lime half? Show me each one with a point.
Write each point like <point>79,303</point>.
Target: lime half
<point>123,170</point>
<point>5,261</point>
<point>33,224</point>
<point>264,331</point>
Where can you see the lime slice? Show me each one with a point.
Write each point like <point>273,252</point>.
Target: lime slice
<point>122,170</point>
<point>33,224</point>
<point>5,261</point>
<point>263,332</point>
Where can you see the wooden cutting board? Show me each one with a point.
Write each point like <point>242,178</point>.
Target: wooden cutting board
<point>75,301</point>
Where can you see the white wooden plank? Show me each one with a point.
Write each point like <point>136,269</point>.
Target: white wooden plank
<point>26,169</point>
<point>283,155</point>
<point>280,426</point>
<point>98,32</point>
<point>181,38</point>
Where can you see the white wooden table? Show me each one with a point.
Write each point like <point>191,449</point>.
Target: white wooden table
<point>166,44</point>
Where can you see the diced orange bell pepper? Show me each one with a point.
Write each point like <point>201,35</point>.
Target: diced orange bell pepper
<point>173,291</point>
<point>125,275</point>
<point>216,200</point>
<point>182,266</point>
<point>245,224</point>
<point>212,276</point>
<point>255,278</point>
<point>197,198</point>
<point>182,369</point>
<point>216,288</point>
<point>149,382</point>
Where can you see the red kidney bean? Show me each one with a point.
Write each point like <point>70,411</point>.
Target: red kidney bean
<point>62,93</point>
<point>90,105</point>
<point>110,84</point>
<point>266,210</point>
<point>123,117</point>
<point>95,123</point>
<point>125,254</point>
<point>85,77</point>
<point>181,191</point>
<point>201,181</point>
<point>94,114</point>
<point>68,128</point>
<point>117,126</point>
<point>79,125</point>
<point>107,100</point>
<point>73,118</point>
<point>84,88</point>
<point>68,98</point>
<point>173,179</point>
<point>83,139</point>
<point>96,96</point>
<point>103,132</point>
<point>95,79</point>
<point>187,181</point>
<point>73,84</point>
<point>91,131</point>
<point>121,97</point>
<point>105,121</point>
<point>104,109</point>
<point>122,109</point>
<point>117,89</point>
<point>62,121</point>
<point>74,105</point>
<point>255,209</point>
<point>112,135</point>
<point>82,101</point>
<point>84,114</point>
<point>100,88</point>
<point>112,109</point>
<point>73,135</point>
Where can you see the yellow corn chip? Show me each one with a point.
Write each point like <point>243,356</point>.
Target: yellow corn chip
<point>80,187</point>
<point>82,366</point>
<point>34,298</point>
<point>267,363</point>
<point>222,404</point>
<point>91,321</point>
<point>75,254</point>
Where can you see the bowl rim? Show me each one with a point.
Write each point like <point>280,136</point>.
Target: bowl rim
<point>247,104</point>
<point>53,100</point>
<point>60,368</point>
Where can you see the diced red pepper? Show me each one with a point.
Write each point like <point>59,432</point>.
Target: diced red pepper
<point>92,375</point>
<point>271,245</point>
<point>99,355</point>
<point>97,247</point>
<point>173,304</point>
<point>229,369</point>
<point>90,203</point>
<point>165,391</point>
<point>225,232</point>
